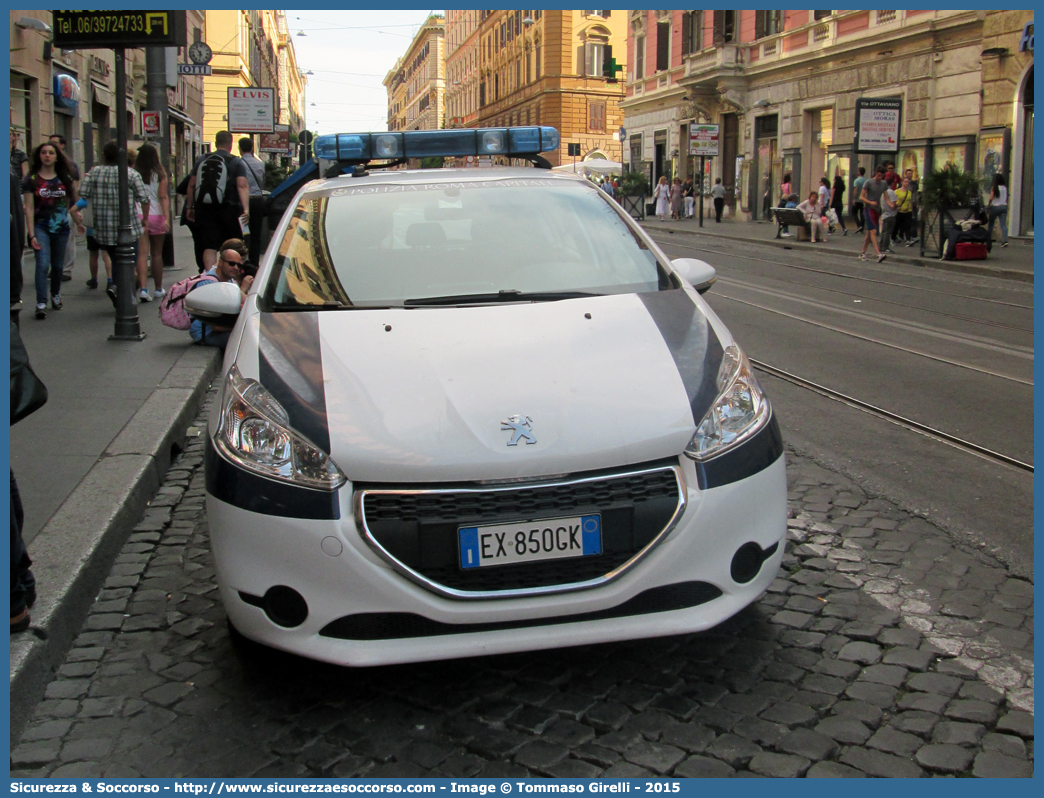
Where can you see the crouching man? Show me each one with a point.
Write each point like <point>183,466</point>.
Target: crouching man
<point>231,261</point>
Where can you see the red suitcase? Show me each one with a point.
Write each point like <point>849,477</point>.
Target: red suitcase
<point>971,250</point>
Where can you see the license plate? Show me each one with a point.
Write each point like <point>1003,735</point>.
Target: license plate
<point>530,541</point>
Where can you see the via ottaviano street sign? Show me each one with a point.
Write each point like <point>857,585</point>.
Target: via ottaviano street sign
<point>118,30</point>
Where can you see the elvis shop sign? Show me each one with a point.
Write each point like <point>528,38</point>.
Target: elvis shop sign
<point>251,110</point>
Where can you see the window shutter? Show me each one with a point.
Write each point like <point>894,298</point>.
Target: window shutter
<point>687,32</point>
<point>607,61</point>
<point>581,60</point>
<point>759,24</point>
<point>663,46</point>
<point>719,28</point>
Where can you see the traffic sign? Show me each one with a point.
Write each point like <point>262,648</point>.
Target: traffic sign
<point>118,28</point>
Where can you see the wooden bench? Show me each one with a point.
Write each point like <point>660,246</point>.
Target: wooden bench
<point>786,217</point>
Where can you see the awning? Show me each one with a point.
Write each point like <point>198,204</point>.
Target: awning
<point>102,94</point>
<point>188,120</point>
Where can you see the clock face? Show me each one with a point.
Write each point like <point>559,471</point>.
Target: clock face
<point>200,53</point>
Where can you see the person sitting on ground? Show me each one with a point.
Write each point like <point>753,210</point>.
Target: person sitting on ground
<point>814,216</point>
<point>229,269</point>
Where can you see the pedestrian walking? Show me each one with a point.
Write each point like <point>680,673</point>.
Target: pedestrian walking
<point>218,197</point>
<point>785,190</point>
<point>17,245</point>
<point>998,208</point>
<point>93,248</point>
<point>100,187</point>
<point>889,206</point>
<point>690,198</point>
<point>48,196</point>
<point>915,200</point>
<point>607,187</point>
<point>156,224</point>
<point>19,160</point>
<point>677,199</point>
<point>255,174</point>
<point>58,140</point>
<point>197,240</point>
<point>718,194</point>
<point>837,202</point>
<point>857,203</point>
<point>662,197</point>
<point>870,196</point>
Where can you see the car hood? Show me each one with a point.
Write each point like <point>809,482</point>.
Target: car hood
<point>437,394</point>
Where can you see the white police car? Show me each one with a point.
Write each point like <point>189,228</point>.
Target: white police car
<point>474,411</point>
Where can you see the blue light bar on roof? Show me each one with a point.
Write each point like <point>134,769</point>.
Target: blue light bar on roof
<point>509,141</point>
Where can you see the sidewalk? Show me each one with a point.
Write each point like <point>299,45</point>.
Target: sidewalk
<point>92,458</point>
<point>1014,262</point>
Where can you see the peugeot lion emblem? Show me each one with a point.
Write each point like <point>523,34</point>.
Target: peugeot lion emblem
<point>522,426</point>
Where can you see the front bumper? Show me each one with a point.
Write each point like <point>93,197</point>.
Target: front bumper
<point>343,580</point>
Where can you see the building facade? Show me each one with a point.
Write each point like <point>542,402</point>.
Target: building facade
<point>462,67</point>
<point>291,79</point>
<point>783,85</point>
<point>84,110</point>
<point>557,68</point>
<point>245,56</point>
<point>1006,133</point>
<point>416,85</point>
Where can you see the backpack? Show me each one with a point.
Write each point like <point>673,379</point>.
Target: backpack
<point>212,179</point>
<point>172,307</point>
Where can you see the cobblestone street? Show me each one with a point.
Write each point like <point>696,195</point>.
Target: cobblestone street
<point>882,650</point>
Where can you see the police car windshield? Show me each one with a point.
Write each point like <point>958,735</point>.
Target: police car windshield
<point>382,244</point>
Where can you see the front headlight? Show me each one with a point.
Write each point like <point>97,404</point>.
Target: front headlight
<point>740,410</point>
<point>255,433</point>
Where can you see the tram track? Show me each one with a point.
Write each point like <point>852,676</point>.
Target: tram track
<point>894,418</point>
<point>861,278</point>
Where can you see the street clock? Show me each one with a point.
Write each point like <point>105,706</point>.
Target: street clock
<point>200,53</point>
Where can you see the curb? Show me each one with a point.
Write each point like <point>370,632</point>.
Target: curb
<point>963,267</point>
<point>73,553</point>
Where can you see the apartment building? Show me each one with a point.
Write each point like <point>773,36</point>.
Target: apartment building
<point>291,80</point>
<point>783,87</point>
<point>462,67</point>
<point>558,68</point>
<point>416,85</point>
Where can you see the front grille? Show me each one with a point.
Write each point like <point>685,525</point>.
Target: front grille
<point>418,528</point>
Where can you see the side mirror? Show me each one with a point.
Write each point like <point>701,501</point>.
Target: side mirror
<point>213,300</point>
<point>699,274</point>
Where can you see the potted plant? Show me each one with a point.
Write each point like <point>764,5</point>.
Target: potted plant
<point>634,188</point>
<point>946,196</point>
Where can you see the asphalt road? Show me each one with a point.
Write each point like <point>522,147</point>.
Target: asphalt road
<point>949,351</point>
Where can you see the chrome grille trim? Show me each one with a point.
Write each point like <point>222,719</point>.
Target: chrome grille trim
<point>448,592</point>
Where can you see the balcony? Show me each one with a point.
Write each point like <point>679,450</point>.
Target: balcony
<point>712,63</point>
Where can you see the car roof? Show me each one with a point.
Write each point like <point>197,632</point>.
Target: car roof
<point>429,176</point>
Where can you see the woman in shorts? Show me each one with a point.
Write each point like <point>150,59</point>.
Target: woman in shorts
<point>154,176</point>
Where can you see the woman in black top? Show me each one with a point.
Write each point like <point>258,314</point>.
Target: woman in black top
<point>837,202</point>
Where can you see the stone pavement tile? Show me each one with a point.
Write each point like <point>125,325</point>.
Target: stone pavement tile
<point>860,710</point>
<point>619,741</point>
<point>860,651</point>
<point>971,710</point>
<point>607,716</point>
<point>407,770</point>
<point>994,765</point>
<point>790,714</point>
<point>1017,722</point>
<point>569,733</point>
<point>656,757</point>
<point>944,758</point>
<point>692,737</point>
<point>892,741</point>
<point>573,769</point>
<point>651,724</point>
<point>427,754</point>
<point>844,730</point>
<point>625,770</point>
<point>717,718</point>
<point>779,765</point>
<point>539,755</point>
<point>833,770</point>
<point>534,720</point>
<point>1007,744</point>
<point>891,675</point>
<point>458,765</point>
<point>912,658</point>
<point>32,755</point>
<point>926,702</point>
<point>809,744</point>
<point>981,692</point>
<point>954,733</point>
<point>497,744</point>
<point>78,770</point>
<point>702,767</point>
<point>733,749</point>
<point>915,721</point>
<point>881,764</point>
<point>839,668</point>
<point>879,695</point>
<point>596,754</point>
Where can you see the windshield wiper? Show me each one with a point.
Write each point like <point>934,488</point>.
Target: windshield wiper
<point>509,295</point>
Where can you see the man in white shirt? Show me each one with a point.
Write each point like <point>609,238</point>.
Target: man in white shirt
<point>255,169</point>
